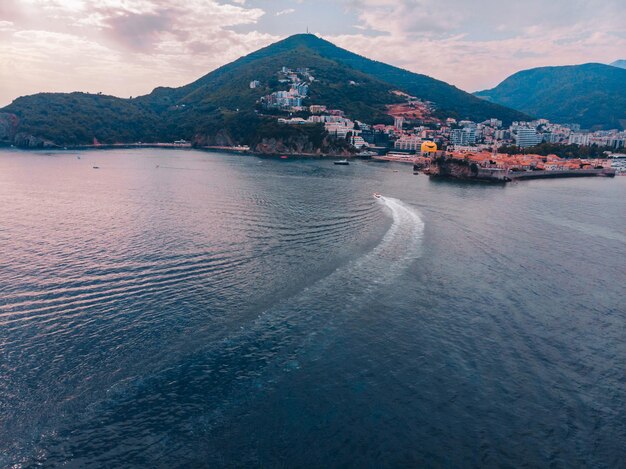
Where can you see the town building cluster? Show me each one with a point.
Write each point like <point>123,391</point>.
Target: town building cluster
<point>525,162</point>
<point>335,123</point>
<point>413,125</point>
<point>291,99</point>
<point>467,135</point>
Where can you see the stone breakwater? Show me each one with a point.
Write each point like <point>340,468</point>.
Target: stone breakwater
<point>604,172</point>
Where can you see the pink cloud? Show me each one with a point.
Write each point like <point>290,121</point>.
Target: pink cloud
<point>120,47</point>
<point>475,45</point>
<point>128,47</point>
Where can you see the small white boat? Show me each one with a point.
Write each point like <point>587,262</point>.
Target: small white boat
<point>377,195</point>
<point>342,162</point>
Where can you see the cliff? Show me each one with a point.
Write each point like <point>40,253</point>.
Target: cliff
<point>465,169</point>
<point>311,140</point>
<point>10,134</point>
<point>303,146</point>
<point>8,127</point>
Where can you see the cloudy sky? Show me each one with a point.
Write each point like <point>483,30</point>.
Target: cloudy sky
<point>127,47</point>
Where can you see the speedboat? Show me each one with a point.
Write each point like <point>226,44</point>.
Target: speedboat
<point>342,162</point>
<point>377,195</point>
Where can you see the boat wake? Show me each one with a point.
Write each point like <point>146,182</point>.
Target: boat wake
<point>217,383</point>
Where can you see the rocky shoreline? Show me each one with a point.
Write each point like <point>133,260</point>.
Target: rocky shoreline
<point>187,146</point>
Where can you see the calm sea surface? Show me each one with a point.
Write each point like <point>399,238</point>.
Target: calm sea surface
<point>181,308</point>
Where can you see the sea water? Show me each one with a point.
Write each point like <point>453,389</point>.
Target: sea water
<point>179,308</point>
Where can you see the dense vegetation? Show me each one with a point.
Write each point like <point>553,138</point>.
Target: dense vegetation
<point>76,118</point>
<point>228,87</point>
<point>562,151</point>
<point>592,95</point>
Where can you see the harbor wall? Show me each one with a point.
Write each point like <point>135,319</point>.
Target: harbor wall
<point>606,172</point>
<point>463,169</point>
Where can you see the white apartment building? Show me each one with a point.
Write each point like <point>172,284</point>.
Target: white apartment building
<point>578,138</point>
<point>526,137</point>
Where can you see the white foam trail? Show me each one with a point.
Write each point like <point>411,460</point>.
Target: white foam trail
<point>401,244</point>
<point>347,287</point>
<point>259,354</point>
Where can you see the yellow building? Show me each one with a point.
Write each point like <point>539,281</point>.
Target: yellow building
<point>429,147</point>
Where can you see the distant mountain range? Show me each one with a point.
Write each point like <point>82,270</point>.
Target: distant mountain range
<point>219,108</point>
<point>619,63</point>
<point>592,95</point>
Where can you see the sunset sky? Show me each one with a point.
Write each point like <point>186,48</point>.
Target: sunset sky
<point>127,47</point>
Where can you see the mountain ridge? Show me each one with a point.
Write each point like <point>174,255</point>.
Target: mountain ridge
<point>592,94</point>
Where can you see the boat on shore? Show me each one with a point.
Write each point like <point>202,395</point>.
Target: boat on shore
<point>343,162</point>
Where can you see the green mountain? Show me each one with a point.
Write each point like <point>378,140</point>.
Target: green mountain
<point>592,95</point>
<point>450,101</point>
<point>76,118</point>
<point>220,108</point>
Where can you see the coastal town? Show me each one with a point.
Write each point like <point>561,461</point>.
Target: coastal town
<point>419,138</point>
